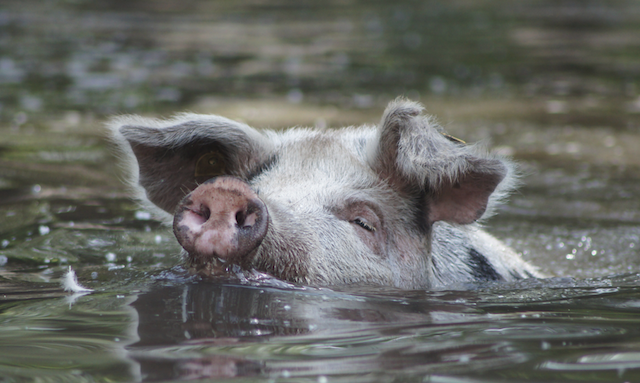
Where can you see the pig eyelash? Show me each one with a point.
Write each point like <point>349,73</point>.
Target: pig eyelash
<point>364,225</point>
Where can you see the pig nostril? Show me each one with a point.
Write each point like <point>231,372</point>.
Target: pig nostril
<point>204,212</point>
<point>240,218</point>
<point>246,219</point>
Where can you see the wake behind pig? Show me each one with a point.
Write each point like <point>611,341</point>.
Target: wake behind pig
<point>395,204</point>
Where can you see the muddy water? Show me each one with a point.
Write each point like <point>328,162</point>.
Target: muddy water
<point>553,84</point>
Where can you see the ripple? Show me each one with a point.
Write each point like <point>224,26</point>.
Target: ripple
<point>609,361</point>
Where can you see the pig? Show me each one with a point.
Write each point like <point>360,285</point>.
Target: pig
<point>397,204</point>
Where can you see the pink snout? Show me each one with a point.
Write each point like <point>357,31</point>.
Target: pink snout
<point>222,218</point>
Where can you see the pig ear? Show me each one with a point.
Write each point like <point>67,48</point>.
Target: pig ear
<point>165,160</point>
<point>458,183</point>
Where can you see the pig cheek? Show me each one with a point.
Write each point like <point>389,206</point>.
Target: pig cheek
<point>376,241</point>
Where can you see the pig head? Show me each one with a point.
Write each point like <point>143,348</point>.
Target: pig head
<point>393,204</point>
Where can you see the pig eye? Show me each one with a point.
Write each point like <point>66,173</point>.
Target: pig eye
<point>210,165</point>
<point>364,225</point>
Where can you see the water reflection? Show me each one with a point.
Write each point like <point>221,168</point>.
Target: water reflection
<point>50,339</point>
<point>221,330</point>
<point>176,328</point>
<point>214,330</point>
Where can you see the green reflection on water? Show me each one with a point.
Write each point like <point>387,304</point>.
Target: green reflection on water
<point>53,340</point>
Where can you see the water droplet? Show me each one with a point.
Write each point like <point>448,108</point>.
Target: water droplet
<point>143,215</point>
<point>44,230</point>
<point>111,257</point>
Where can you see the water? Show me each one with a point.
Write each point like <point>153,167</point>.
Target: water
<point>172,328</point>
<point>552,83</point>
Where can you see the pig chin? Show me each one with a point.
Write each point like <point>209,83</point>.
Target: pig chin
<point>210,263</point>
<point>221,222</point>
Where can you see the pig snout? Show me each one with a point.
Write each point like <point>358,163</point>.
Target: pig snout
<point>223,219</point>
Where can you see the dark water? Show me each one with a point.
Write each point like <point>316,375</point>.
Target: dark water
<point>555,84</point>
<point>170,328</point>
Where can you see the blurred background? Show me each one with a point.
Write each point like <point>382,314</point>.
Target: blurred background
<point>554,84</point>
<point>64,57</point>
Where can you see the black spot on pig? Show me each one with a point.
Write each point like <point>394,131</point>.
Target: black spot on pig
<point>515,275</point>
<point>481,268</point>
<point>422,209</point>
